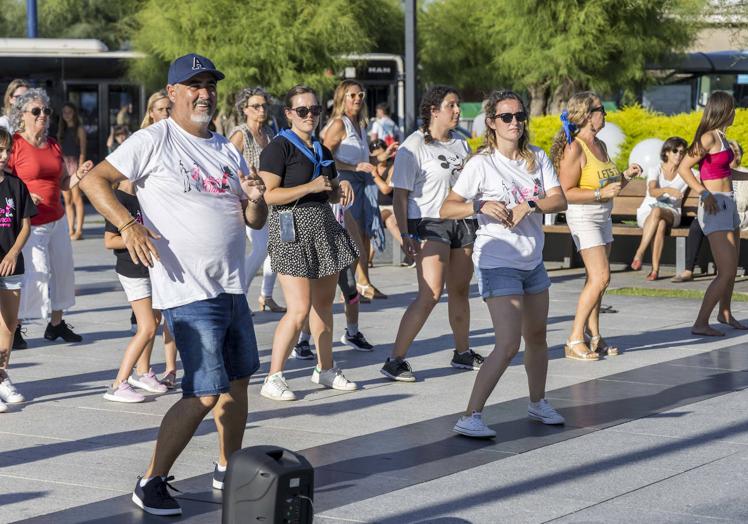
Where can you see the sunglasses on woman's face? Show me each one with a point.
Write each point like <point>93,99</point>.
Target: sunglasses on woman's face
<point>36,111</point>
<point>257,107</point>
<point>360,95</point>
<point>303,112</point>
<point>508,117</point>
<point>600,109</point>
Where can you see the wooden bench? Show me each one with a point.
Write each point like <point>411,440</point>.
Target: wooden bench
<point>624,209</point>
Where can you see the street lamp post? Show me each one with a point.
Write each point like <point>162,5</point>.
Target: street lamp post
<point>31,24</point>
<point>410,66</point>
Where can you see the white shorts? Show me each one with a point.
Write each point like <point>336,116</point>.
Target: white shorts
<point>135,288</point>
<point>12,282</point>
<point>49,279</point>
<point>590,224</point>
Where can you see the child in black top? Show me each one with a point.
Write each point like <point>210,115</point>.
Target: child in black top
<point>16,211</point>
<point>136,282</point>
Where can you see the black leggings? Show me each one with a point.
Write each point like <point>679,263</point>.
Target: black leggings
<point>693,244</point>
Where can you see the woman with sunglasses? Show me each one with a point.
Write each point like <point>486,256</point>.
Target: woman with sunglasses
<point>49,280</point>
<point>590,181</point>
<point>718,213</point>
<point>307,246</point>
<point>345,136</point>
<point>509,186</point>
<point>16,88</point>
<point>250,138</point>
<point>661,208</point>
<point>427,165</point>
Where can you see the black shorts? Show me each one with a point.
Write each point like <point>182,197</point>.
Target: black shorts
<point>455,233</point>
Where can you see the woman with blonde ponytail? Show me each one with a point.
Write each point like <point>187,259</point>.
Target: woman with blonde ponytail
<point>590,181</point>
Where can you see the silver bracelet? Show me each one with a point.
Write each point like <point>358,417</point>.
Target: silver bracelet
<point>597,195</point>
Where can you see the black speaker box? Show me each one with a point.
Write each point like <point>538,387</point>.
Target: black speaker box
<point>268,484</point>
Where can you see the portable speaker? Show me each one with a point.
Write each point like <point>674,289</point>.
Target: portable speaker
<point>268,484</point>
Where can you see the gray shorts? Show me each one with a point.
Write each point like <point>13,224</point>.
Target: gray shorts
<point>725,219</point>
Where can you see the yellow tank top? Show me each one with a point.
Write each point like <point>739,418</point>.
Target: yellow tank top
<point>594,170</point>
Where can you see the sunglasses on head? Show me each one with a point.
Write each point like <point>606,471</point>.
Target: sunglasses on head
<point>600,109</point>
<point>303,112</point>
<point>257,107</point>
<point>39,110</point>
<point>360,95</point>
<point>508,117</point>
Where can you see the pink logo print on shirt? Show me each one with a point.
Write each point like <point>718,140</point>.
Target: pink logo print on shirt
<point>201,182</point>
<point>6,213</point>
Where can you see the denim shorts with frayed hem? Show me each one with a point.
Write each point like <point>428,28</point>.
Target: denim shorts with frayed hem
<point>506,281</point>
<point>216,342</point>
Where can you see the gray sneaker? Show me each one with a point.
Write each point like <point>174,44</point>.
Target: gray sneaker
<point>398,369</point>
<point>468,360</point>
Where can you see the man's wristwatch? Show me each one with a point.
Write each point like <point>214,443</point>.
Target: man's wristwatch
<point>533,206</point>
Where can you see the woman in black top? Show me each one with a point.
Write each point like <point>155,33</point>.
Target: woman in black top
<point>307,246</point>
<point>72,139</point>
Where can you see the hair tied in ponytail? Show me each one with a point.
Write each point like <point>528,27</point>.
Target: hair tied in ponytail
<point>569,128</point>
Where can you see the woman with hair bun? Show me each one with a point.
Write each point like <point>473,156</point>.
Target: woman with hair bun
<point>427,165</point>
<point>718,212</point>
<point>590,181</point>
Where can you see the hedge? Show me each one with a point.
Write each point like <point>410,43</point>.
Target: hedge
<point>637,124</point>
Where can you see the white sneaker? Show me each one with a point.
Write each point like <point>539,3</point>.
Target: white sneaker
<point>8,392</point>
<point>544,412</point>
<point>333,378</point>
<point>473,426</point>
<point>275,388</point>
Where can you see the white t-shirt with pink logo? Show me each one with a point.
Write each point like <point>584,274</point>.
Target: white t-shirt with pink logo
<point>189,191</point>
<point>496,177</point>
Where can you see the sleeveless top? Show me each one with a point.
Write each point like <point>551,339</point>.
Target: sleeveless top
<point>717,165</point>
<point>354,148</point>
<point>69,143</point>
<point>251,150</point>
<point>594,170</point>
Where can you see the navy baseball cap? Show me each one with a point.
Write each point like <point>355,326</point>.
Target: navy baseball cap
<point>187,66</point>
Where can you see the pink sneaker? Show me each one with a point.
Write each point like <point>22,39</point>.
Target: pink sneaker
<point>123,393</point>
<point>148,382</point>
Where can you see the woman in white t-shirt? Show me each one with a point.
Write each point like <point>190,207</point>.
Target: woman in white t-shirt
<point>509,185</point>
<point>661,208</point>
<point>427,165</point>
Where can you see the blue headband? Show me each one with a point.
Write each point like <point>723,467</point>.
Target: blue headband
<point>569,128</point>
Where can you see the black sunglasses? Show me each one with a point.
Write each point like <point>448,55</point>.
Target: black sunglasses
<point>303,112</point>
<point>39,110</point>
<point>507,117</point>
<point>598,108</point>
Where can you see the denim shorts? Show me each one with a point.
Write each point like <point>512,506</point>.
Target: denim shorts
<point>456,233</point>
<point>11,283</point>
<point>216,342</point>
<point>725,219</point>
<point>505,281</point>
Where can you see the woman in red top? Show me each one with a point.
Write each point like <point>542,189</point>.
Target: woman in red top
<point>48,286</point>
<point>718,214</point>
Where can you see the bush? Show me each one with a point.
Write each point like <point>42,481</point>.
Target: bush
<point>637,124</point>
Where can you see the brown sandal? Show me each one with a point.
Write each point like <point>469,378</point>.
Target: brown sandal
<point>570,352</point>
<point>599,346</point>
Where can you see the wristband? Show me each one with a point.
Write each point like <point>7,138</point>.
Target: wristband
<point>703,195</point>
<point>597,195</point>
<point>407,235</point>
<point>477,205</point>
<point>126,225</point>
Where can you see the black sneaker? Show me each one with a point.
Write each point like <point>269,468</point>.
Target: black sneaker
<point>218,477</point>
<point>468,360</point>
<point>18,341</point>
<point>302,351</point>
<point>154,497</point>
<point>398,369</point>
<point>357,341</point>
<point>61,330</point>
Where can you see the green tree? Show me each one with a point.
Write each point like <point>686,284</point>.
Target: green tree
<point>256,42</point>
<point>551,49</point>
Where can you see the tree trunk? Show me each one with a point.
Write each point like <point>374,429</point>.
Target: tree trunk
<point>561,95</point>
<point>538,99</point>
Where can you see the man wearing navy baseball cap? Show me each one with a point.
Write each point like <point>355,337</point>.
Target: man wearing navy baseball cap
<point>196,195</point>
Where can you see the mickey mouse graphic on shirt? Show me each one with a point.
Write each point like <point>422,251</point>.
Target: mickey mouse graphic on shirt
<point>6,213</point>
<point>195,178</point>
<point>454,164</point>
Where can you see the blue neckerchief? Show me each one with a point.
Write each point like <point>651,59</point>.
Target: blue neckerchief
<point>316,158</point>
<point>569,128</point>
